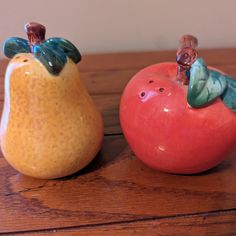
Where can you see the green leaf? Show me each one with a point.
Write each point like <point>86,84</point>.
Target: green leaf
<point>205,85</point>
<point>61,44</point>
<point>52,59</point>
<point>229,95</point>
<point>14,45</point>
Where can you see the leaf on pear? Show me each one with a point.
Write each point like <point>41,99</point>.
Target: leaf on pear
<point>14,45</point>
<point>52,59</point>
<point>61,44</point>
<point>205,85</point>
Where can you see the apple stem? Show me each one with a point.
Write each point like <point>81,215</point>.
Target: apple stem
<point>35,32</point>
<point>186,56</point>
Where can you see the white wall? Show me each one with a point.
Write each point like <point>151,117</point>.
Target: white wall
<point>124,25</point>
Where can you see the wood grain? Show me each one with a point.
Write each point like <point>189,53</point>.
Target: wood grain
<point>137,60</point>
<point>223,223</point>
<point>116,188</point>
<point>116,194</point>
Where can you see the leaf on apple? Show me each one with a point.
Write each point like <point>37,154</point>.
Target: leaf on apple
<point>229,95</point>
<point>206,85</point>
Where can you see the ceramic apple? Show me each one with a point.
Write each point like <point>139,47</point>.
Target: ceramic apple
<point>180,117</point>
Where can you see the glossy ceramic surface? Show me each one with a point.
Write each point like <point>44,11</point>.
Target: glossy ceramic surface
<point>50,126</point>
<point>52,53</point>
<point>165,132</point>
<point>205,85</point>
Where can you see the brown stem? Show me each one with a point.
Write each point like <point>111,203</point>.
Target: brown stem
<point>186,56</point>
<point>36,33</point>
<point>188,41</point>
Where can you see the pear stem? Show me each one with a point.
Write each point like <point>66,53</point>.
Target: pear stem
<point>186,56</point>
<point>35,32</point>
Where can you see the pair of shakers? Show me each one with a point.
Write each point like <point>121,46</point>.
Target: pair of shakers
<point>178,117</point>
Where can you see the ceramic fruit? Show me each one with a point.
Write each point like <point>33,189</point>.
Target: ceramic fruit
<point>50,127</point>
<point>180,117</point>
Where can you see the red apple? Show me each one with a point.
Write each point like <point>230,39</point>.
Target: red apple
<point>165,132</point>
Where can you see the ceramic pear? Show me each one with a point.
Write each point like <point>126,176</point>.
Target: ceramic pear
<point>50,127</point>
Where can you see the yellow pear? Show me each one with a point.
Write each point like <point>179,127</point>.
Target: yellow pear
<point>50,127</point>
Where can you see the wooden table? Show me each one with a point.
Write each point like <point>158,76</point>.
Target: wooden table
<point>116,194</point>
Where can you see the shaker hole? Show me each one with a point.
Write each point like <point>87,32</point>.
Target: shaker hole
<point>142,94</point>
<point>151,81</point>
<point>161,90</point>
<point>25,60</point>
